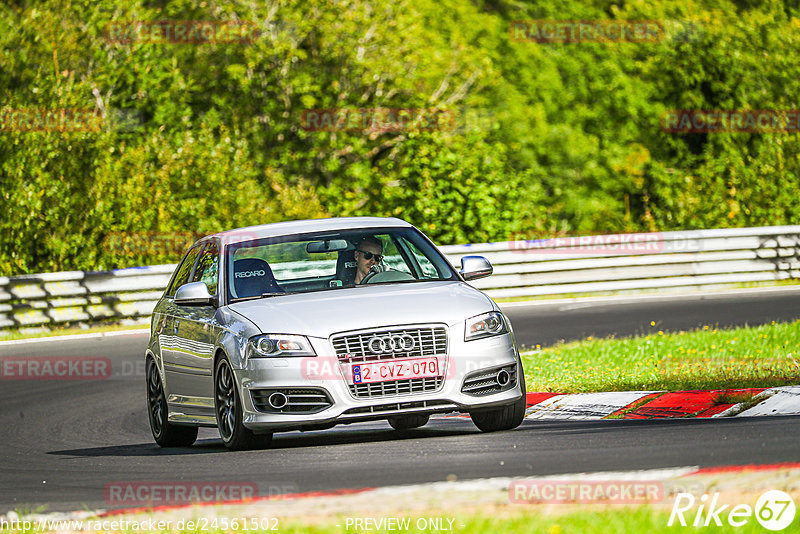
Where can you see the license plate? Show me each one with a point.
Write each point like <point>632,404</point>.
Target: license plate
<point>364,373</point>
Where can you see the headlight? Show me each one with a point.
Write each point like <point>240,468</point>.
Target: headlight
<point>280,345</point>
<point>486,325</point>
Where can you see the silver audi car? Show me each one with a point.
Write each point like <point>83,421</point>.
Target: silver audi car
<point>304,325</point>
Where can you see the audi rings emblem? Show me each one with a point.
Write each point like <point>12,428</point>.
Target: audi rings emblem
<point>393,343</point>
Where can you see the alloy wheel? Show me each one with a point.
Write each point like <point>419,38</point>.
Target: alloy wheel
<point>226,401</point>
<point>155,400</point>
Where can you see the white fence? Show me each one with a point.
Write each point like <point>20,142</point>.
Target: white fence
<point>595,264</point>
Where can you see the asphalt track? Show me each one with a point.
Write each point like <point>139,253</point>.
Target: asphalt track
<point>567,320</point>
<point>63,442</point>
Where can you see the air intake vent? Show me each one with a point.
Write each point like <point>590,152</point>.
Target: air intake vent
<point>397,387</point>
<point>306,400</point>
<point>398,406</point>
<point>488,381</point>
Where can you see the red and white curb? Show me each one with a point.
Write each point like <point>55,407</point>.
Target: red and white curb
<point>783,400</point>
<point>584,405</point>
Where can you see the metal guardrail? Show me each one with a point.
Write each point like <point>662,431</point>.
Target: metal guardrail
<point>77,296</point>
<point>522,268</point>
<point>701,259</point>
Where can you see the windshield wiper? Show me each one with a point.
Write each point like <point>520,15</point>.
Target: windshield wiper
<point>254,297</point>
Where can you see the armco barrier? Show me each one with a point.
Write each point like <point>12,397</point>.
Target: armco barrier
<point>78,296</point>
<point>522,268</point>
<point>691,259</point>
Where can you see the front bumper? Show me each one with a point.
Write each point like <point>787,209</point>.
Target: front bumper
<point>324,374</point>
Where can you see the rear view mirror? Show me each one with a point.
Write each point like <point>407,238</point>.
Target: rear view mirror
<point>329,245</point>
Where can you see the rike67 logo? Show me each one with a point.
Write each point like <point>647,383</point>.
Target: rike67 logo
<point>774,510</point>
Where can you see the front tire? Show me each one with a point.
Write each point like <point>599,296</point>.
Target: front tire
<point>405,422</point>
<point>505,417</point>
<point>229,411</point>
<point>165,433</point>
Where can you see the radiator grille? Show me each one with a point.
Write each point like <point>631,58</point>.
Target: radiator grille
<point>428,341</point>
<point>389,344</point>
<point>396,387</point>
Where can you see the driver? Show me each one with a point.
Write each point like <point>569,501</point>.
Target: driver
<point>369,252</point>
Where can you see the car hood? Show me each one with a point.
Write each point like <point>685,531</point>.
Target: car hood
<point>323,313</point>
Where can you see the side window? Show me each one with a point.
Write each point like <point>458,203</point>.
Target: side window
<point>208,267</point>
<point>184,270</point>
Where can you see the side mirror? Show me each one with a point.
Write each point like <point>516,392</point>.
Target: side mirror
<point>474,267</point>
<point>193,294</point>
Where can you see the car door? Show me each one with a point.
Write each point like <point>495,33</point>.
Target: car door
<point>168,317</point>
<point>195,332</point>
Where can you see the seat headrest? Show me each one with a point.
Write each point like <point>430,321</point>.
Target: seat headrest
<point>346,267</point>
<point>252,277</point>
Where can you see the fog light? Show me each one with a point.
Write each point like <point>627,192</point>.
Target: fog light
<point>503,378</point>
<point>278,400</point>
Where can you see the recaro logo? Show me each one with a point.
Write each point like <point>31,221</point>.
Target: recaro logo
<point>249,274</point>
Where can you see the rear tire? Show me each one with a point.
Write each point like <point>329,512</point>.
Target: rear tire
<point>404,422</point>
<point>228,408</point>
<point>505,417</point>
<point>165,433</point>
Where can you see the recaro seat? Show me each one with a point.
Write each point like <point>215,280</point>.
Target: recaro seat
<point>252,277</point>
<point>346,267</point>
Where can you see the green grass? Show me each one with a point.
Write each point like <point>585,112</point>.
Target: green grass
<point>525,520</point>
<point>620,520</point>
<point>709,358</point>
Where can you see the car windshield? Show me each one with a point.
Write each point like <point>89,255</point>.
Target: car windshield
<point>325,261</point>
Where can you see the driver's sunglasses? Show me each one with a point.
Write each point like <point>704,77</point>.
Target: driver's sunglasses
<point>369,255</point>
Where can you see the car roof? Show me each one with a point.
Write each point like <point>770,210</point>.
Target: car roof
<point>307,226</point>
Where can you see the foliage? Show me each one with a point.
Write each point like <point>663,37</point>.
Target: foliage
<point>560,138</point>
